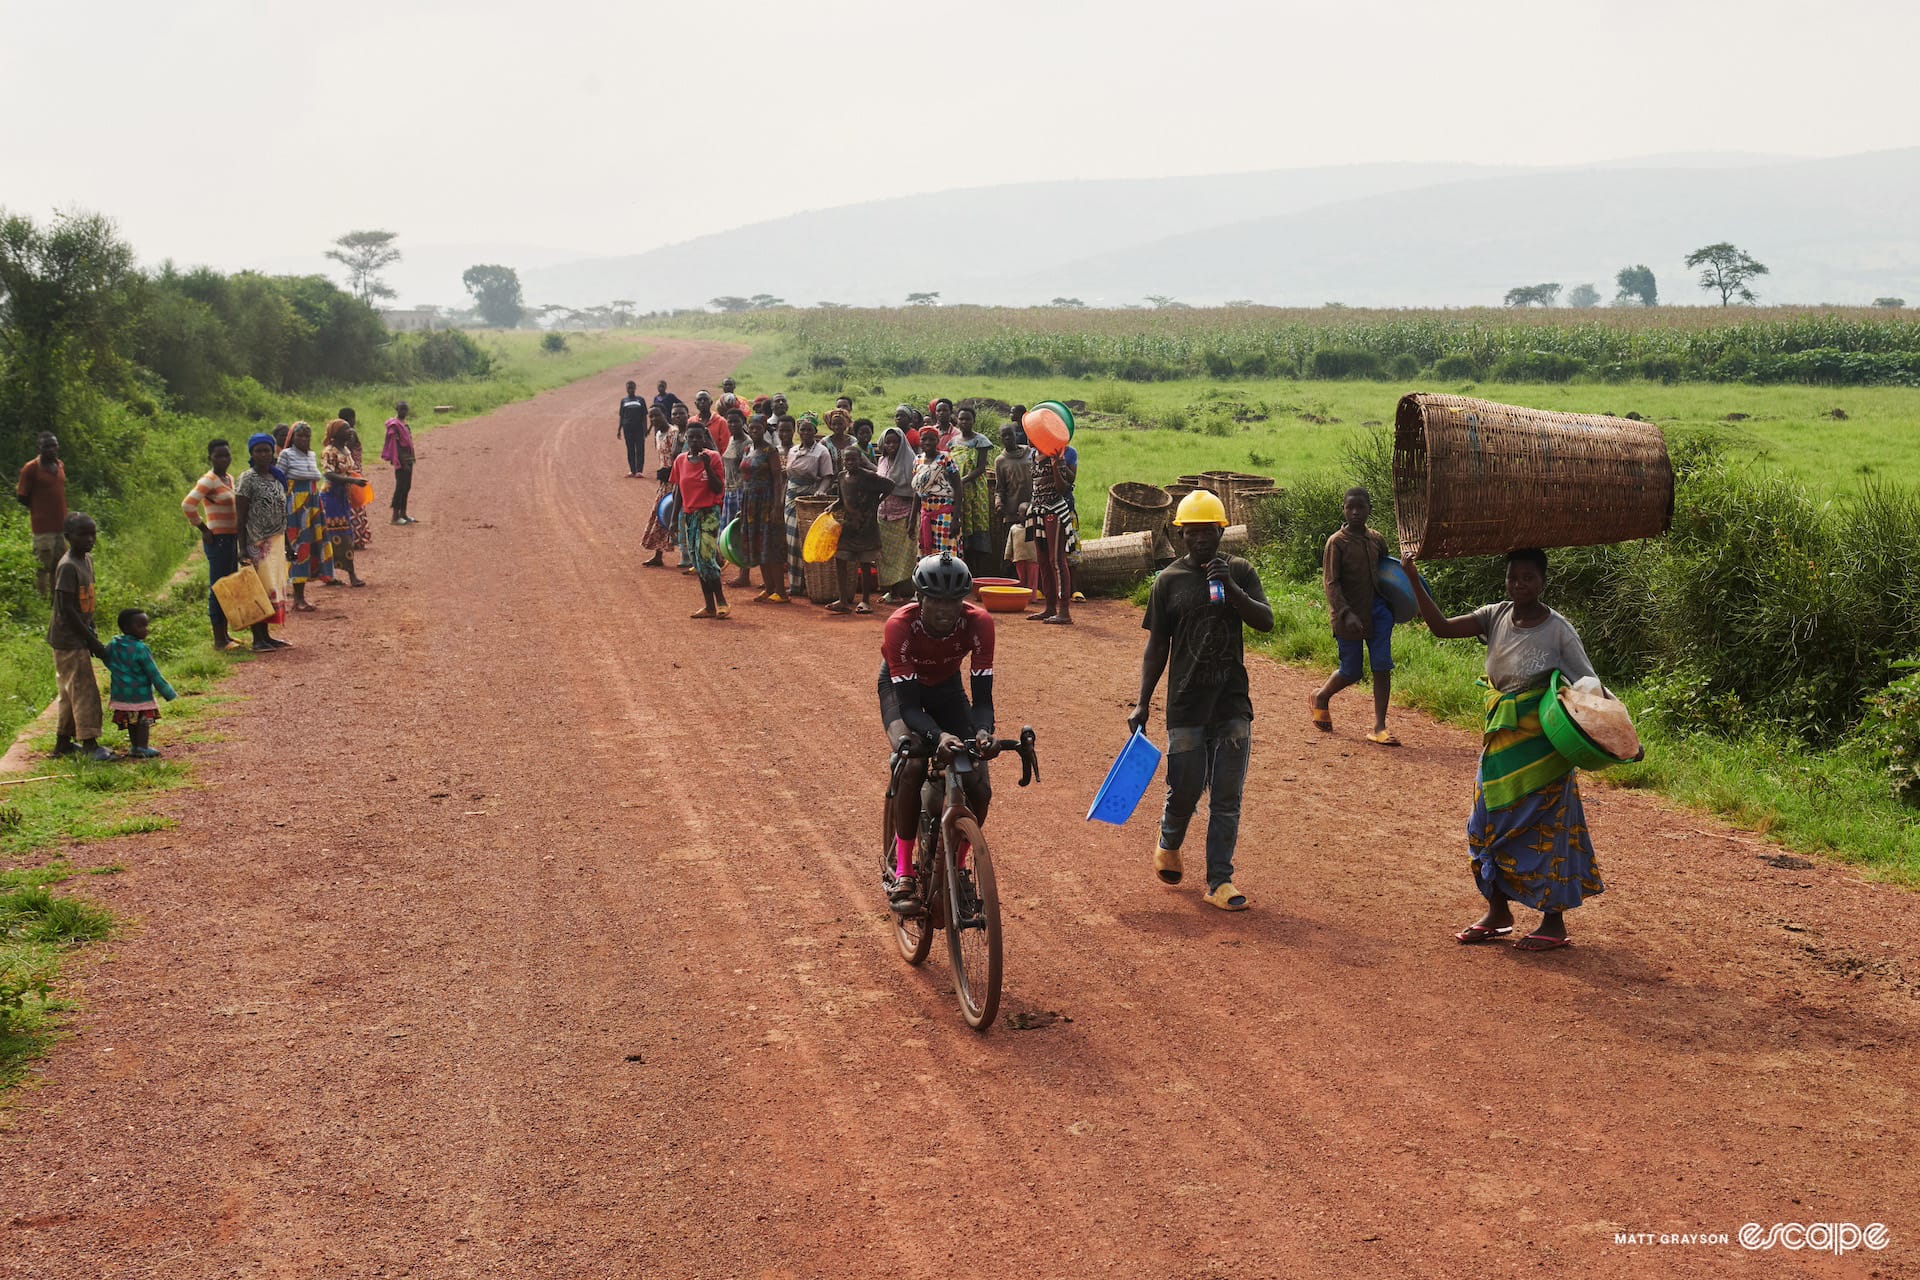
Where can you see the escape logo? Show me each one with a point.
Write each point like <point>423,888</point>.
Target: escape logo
<point>1819,1237</point>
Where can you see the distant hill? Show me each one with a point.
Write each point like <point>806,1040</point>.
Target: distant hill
<point>1834,230</point>
<point>964,244</point>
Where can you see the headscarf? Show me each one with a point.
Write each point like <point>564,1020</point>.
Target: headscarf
<point>928,435</point>
<point>336,435</point>
<point>841,416</point>
<point>898,472</point>
<point>808,418</point>
<point>762,404</point>
<point>261,438</point>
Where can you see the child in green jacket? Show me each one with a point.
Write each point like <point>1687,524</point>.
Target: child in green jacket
<point>134,680</point>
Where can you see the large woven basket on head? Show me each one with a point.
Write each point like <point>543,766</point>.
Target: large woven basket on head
<point>1473,478</point>
<point>822,583</point>
<point>1132,506</point>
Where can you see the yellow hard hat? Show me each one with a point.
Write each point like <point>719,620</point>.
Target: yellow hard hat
<point>1201,507</point>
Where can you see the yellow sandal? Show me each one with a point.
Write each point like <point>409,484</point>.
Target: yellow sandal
<point>1227,898</point>
<point>1166,865</point>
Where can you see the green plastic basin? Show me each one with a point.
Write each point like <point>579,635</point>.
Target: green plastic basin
<point>1566,736</point>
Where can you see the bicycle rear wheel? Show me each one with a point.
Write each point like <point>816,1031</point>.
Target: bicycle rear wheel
<point>912,934</point>
<point>973,944</point>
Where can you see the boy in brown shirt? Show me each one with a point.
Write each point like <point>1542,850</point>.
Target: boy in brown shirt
<point>1347,570</point>
<point>71,636</point>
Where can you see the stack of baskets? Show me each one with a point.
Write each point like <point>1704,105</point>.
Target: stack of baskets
<point>822,582</point>
<point>1114,564</point>
<point>1471,478</point>
<point>1132,507</point>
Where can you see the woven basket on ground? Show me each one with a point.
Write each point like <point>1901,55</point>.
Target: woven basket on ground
<point>1132,506</point>
<point>1471,477</point>
<point>1255,507</point>
<point>1114,564</point>
<point>822,583</point>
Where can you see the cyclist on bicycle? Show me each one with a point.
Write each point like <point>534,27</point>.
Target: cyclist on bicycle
<point>921,698</point>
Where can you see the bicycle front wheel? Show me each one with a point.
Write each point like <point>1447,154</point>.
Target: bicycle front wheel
<point>973,933</point>
<point>912,934</point>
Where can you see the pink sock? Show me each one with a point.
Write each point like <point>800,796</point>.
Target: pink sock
<point>902,856</point>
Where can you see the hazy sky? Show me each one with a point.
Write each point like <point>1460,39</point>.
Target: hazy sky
<point>240,134</point>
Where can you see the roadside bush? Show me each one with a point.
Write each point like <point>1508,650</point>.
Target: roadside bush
<point>444,355</point>
<point>1891,732</point>
<point>1456,368</point>
<point>1345,362</point>
<point>554,343</point>
<point>1538,366</point>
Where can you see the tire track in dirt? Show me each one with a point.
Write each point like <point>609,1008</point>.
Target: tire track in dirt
<point>550,822</point>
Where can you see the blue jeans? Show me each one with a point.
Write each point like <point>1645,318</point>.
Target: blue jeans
<point>1211,758</point>
<point>223,558</point>
<point>1379,645</point>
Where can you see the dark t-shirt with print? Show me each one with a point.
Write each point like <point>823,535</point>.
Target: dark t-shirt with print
<point>1206,669</point>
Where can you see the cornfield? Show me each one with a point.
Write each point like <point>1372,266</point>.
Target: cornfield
<point>1828,346</point>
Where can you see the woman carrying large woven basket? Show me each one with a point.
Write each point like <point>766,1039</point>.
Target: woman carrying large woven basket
<point>1527,832</point>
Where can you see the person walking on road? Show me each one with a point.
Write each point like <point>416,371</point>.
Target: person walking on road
<point>632,428</point>
<point>1347,568</point>
<point>209,507</point>
<point>42,490</point>
<point>398,454</point>
<point>1528,830</point>
<point>1195,614</point>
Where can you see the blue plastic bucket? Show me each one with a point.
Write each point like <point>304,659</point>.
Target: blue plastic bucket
<point>667,512</point>
<point>1127,781</point>
<point>1391,581</point>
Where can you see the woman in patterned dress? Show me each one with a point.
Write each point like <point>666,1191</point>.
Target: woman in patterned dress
<point>309,550</point>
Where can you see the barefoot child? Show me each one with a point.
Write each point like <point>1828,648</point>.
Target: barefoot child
<point>135,679</point>
<point>1347,570</point>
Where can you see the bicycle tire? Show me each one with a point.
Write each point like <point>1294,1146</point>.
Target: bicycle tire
<point>912,934</point>
<point>976,951</point>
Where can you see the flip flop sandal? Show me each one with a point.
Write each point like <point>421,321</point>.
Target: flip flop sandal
<point>703,613</point>
<point>1166,865</point>
<point>1322,716</point>
<point>1541,942</point>
<point>776,598</point>
<point>835,606</point>
<point>1474,934</point>
<point>1385,738</point>
<point>863,607</point>
<point>723,612</point>
<point>1227,898</point>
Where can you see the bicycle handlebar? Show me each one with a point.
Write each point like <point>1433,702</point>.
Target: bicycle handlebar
<point>909,749</point>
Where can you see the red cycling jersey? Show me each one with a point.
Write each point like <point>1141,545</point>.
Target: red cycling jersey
<point>912,654</point>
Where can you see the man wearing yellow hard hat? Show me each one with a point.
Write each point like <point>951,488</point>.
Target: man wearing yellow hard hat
<point>1195,613</point>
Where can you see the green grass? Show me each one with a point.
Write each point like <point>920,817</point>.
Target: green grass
<point>144,540</point>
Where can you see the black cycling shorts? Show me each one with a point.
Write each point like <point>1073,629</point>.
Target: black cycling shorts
<point>946,702</point>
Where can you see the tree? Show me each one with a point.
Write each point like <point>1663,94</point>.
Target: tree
<point>1894,303</point>
<point>1726,270</point>
<point>1162,302</point>
<point>365,254</point>
<point>762,301</point>
<point>833,306</point>
<point>1533,295</point>
<point>1240,302</point>
<point>496,294</point>
<point>1636,284</point>
<point>731,302</point>
<point>923,299</point>
<point>1583,296</point>
<point>1068,304</point>
<point>69,300</point>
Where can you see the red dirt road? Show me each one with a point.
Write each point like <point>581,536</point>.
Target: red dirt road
<point>525,927</point>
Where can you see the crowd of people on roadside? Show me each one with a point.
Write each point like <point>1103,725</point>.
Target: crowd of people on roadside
<point>297,515</point>
<point>733,472</point>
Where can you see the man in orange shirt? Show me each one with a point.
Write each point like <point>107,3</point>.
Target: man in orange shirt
<point>43,492</point>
